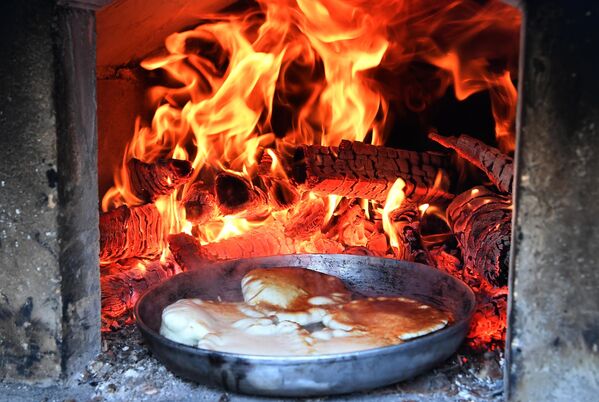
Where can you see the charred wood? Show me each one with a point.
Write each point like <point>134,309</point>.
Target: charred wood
<point>237,195</point>
<point>186,250</point>
<point>263,241</point>
<point>266,240</point>
<point>446,261</point>
<point>358,250</point>
<point>350,226</point>
<point>411,247</point>
<point>481,222</point>
<point>359,170</point>
<point>152,180</point>
<point>120,291</point>
<point>306,218</point>
<point>378,244</point>
<point>200,204</point>
<point>496,165</point>
<point>127,232</point>
<point>282,194</point>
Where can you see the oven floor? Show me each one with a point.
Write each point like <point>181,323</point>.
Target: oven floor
<point>126,371</point>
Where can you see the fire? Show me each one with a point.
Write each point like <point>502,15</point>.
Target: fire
<point>393,202</point>
<point>250,85</point>
<point>229,77</point>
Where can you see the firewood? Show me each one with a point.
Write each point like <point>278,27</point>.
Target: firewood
<point>120,266</point>
<point>496,165</point>
<point>120,291</point>
<point>378,244</point>
<point>200,204</point>
<point>282,194</point>
<point>446,261</point>
<point>350,227</point>
<point>152,180</point>
<point>266,240</point>
<point>411,248</point>
<point>482,223</point>
<point>358,250</point>
<point>127,232</point>
<point>237,195</point>
<point>306,218</point>
<point>489,322</point>
<point>186,250</point>
<point>359,170</point>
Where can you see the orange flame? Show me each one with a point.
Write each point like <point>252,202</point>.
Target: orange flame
<point>394,200</point>
<point>305,72</point>
<point>290,72</point>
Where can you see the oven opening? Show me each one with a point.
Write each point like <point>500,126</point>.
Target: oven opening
<point>277,128</point>
<point>331,196</point>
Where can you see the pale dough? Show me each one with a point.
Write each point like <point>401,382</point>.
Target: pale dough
<point>279,301</point>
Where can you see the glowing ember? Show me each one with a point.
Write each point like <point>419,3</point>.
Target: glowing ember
<point>242,91</point>
<point>393,202</point>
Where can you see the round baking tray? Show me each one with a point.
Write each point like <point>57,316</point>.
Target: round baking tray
<point>313,374</point>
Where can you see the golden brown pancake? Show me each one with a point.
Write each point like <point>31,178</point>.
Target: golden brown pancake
<point>293,294</point>
<point>389,319</point>
<point>331,341</point>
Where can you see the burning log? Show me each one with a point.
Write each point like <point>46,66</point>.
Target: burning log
<point>352,228</point>
<point>306,219</point>
<point>282,194</point>
<point>496,165</point>
<point>186,250</point>
<point>152,180</point>
<point>482,223</point>
<point>200,204</point>
<point>236,194</point>
<point>411,247</point>
<point>120,266</point>
<point>358,250</point>
<point>127,232</point>
<point>358,170</point>
<point>489,322</point>
<point>120,291</point>
<point>446,261</point>
<point>264,241</point>
<point>378,244</point>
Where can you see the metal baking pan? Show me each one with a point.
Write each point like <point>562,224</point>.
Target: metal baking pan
<point>310,375</point>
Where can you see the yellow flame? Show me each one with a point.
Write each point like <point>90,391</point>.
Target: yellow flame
<point>317,58</point>
<point>394,200</point>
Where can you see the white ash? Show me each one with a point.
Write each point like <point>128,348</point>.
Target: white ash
<point>126,370</point>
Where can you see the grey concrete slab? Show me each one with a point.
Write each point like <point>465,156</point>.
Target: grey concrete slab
<point>553,336</point>
<point>49,280</point>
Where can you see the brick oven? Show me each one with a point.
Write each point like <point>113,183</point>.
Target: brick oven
<point>125,161</point>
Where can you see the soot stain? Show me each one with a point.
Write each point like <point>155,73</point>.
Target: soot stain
<point>52,176</point>
<point>24,314</point>
<point>21,346</point>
